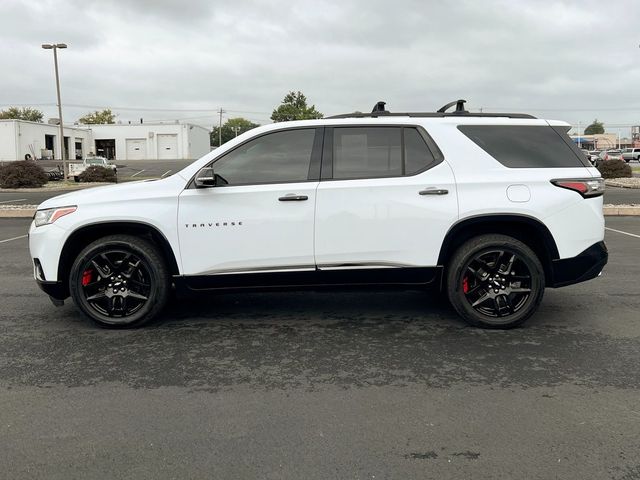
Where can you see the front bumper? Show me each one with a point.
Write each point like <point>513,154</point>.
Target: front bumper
<point>582,267</point>
<point>56,290</point>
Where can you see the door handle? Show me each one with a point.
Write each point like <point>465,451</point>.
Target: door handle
<point>293,198</point>
<point>433,191</point>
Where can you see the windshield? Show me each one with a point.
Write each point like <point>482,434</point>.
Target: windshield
<point>96,161</point>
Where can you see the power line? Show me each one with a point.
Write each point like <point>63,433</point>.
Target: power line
<point>607,109</point>
<point>145,109</point>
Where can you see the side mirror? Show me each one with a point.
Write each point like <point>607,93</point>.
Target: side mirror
<point>205,178</point>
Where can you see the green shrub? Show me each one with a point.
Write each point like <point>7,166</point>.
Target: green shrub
<point>22,174</point>
<point>96,173</point>
<point>614,169</point>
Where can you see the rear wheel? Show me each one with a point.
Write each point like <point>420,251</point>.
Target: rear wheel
<point>120,281</point>
<point>495,281</point>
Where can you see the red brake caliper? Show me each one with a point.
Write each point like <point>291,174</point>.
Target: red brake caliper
<point>465,284</point>
<point>86,277</point>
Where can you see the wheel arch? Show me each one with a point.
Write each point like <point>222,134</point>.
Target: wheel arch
<point>86,234</point>
<point>527,229</point>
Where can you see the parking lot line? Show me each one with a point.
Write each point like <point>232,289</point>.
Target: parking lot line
<point>16,200</point>
<point>14,238</point>
<point>624,233</point>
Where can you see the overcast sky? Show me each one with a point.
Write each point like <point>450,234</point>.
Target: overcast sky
<point>568,60</point>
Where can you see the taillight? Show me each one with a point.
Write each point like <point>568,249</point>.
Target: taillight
<point>587,187</point>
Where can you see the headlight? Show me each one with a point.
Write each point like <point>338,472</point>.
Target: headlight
<point>50,215</point>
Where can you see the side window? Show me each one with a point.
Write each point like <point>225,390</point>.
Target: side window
<point>366,152</point>
<point>273,158</point>
<point>373,152</point>
<point>526,146</point>
<point>417,154</point>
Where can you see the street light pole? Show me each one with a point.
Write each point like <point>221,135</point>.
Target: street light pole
<point>63,156</point>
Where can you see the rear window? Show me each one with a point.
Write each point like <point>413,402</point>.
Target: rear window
<point>520,146</point>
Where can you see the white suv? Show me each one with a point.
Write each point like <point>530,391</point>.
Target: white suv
<point>490,208</point>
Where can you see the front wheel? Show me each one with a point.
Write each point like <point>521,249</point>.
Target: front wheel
<point>495,281</point>
<point>120,281</point>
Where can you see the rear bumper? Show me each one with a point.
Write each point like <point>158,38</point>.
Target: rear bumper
<point>582,267</point>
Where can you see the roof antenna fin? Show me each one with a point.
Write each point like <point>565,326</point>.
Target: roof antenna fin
<point>459,107</point>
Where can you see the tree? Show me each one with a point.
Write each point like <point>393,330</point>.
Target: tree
<point>25,113</point>
<point>595,128</point>
<point>98,117</point>
<point>294,107</point>
<point>231,129</point>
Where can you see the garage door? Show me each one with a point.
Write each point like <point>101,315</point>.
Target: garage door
<point>167,146</point>
<point>136,148</point>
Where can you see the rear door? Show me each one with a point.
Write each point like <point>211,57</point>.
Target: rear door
<point>386,199</point>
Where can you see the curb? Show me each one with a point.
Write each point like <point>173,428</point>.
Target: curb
<point>618,184</point>
<point>17,212</point>
<point>619,210</point>
<point>608,210</point>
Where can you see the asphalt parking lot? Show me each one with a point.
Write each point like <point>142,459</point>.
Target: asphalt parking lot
<point>128,168</point>
<point>324,385</point>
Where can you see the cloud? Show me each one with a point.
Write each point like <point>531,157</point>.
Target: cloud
<point>557,59</point>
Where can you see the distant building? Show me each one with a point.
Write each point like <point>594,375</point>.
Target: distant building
<point>145,141</point>
<point>599,141</point>
<point>152,141</point>
<point>40,140</point>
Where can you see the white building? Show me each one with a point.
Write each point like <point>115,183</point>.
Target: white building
<point>150,141</point>
<point>41,140</point>
<point>146,141</point>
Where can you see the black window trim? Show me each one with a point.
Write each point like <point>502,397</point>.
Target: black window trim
<point>327,151</point>
<point>313,174</point>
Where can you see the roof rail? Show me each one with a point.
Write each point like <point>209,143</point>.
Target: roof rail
<point>379,110</point>
<point>459,107</point>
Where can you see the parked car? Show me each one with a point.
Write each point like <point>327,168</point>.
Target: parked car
<point>631,154</point>
<point>489,208</point>
<point>593,156</point>
<point>611,155</point>
<point>76,168</point>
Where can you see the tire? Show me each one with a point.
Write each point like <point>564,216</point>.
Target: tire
<point>477,265</point>
<point>120,281</point>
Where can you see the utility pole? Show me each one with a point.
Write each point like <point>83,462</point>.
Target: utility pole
<point>63,156</point>
<point>236,129</point>
<point>221,111</point>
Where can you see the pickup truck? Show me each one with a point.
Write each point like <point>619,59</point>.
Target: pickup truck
<point>629,154</point>
<point>76,168</point>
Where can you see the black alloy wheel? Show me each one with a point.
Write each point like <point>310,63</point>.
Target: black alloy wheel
<point>495,281</point>
<point>120,281</point>
<point>116,283</point>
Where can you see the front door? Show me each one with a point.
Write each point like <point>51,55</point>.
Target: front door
<point>259,216</point>
<point>387,199</point>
